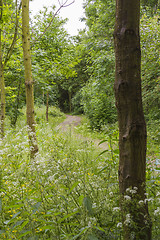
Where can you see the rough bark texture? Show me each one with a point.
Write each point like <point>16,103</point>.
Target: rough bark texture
<point>132,127</point>
<point>2,83</point>
<point>4,62</point>
<point>2,86</point>
<point>28,78</point>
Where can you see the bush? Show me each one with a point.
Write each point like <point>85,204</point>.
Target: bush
<point>98,104</point>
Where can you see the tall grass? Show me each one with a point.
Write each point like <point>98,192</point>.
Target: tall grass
<point>69,191</point>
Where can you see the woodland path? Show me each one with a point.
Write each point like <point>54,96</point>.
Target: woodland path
<point>73,121</point>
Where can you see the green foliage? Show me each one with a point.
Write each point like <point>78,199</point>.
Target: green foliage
<point>70,190</point>
<point>98,94</point>
<point>54,60</point>
<point>54,114</point>
<point>151,6</point>
<point>98,104</point>
<point>76,103</point>
<point>150,35</point>
<point>61,193</point>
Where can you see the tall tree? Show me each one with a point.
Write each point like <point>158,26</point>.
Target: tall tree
<point>132,127</point>
<point>28,78</point>
<point>2,85</point>
<point>6,53</point>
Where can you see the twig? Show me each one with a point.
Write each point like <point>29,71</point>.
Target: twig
<point>10,50</point>
<point>61,6</point>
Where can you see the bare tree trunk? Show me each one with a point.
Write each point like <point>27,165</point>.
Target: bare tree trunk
<point>28,78</point>
<point>2,86</point>
<point>2,83</point>
<point>47,96</point>
<point>132,127</point>
<point>3,63</point>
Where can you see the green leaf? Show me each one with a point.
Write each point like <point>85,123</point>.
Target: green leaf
<point>92,237</point>
<point>24,234</point>
<point>47,227</point>
<point>80,199</point>
<point>99,228</point>
<point>36,207</point>
<point>67,216</point>
<point>82,230</point>
<point>12,219</point>
<point>64,198</point>
<point>103,152</point>
<point>88,205</point>
<point>73,186</point>
<point>24,224</point>
<point>102,142</point>
<point>104,168</point>
<point>18,223</point>
<point>116,151</point>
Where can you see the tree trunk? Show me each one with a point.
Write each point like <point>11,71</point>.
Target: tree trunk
<point>47,96</point>
<point>132,127</point>
<point>2,86</point>
<point>2,83</point>
<point>28,78</point>
<point>15,115</point>
<point>3,63</point>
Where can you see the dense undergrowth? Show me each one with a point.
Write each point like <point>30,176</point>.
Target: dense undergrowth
<point>70,190</point>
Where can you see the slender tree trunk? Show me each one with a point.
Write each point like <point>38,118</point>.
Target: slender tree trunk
<point>28,78</point>
<point>2,86</point>
<point>47,96</point>
<point>3,63</point>
<point>132,127</point>
<point>2,83</point>
<point>15,115</point>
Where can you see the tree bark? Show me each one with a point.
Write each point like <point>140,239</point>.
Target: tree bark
<point>3,102</point>
<point>3,63</point>
<point>28,78</point>
<point>132,127</point>
<point>2,83</point>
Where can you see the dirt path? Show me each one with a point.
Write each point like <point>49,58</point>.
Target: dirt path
<point>71,122</point>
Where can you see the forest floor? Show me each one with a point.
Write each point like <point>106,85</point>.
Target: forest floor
<point>73,121</point>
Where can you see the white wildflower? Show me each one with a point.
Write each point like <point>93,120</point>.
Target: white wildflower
<point>157,211</point>
<point>116,209</point>
<point>128,189</point>
<point>111,194</point>
<point>148,200</point>
<point>126,197</point>
<point>128,219</point>
<point>119,224</point>
<point>132,191</point>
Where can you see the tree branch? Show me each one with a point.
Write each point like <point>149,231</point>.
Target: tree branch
<point>10,50</point>
<point>58,10</point>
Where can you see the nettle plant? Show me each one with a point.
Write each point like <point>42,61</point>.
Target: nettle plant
<point>68,191</point>
<point>64,193</point>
